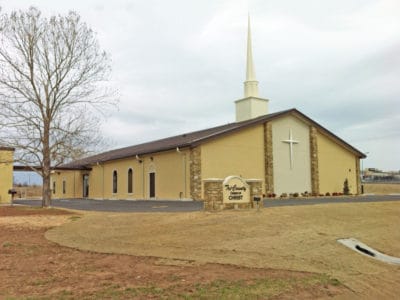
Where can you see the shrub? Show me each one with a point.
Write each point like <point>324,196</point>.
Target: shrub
<point>346,189</point>
<point>327,194</point>
<point>295,195</point>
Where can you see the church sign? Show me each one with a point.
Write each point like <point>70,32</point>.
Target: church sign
<point>235,190</point>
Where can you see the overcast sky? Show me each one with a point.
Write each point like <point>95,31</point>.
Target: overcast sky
<point>179,65</point>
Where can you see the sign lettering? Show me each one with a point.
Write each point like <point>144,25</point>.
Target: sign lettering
<point>235,190</point>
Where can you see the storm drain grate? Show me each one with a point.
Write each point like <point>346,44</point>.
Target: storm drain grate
<point>364,249</point>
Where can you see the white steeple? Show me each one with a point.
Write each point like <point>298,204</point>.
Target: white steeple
<point>251,84</point>
<point>251,106</point>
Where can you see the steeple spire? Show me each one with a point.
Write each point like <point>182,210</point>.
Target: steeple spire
<point>251,106</point>
<point>251,84</point>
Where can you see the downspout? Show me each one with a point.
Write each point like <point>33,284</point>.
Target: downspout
<point>74,196</point>
<point>102,176</point>
<point>184,170</point>
<point>141,162</point>
<point>102,185</point>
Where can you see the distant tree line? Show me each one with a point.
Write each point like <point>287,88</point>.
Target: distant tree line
<point>25,184</point>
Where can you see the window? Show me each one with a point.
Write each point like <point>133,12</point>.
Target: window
<point>152,185</point>
<point>64,186</point>
<point>54,187</point>
<point>85,185</point>
<point>130,181</point>
<point>115,182</point>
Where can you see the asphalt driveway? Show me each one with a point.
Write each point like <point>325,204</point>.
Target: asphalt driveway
<point>121,205</point>
<point>187,206</point>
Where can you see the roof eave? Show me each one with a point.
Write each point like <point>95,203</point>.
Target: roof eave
<point>7,148</point>
<point>249,123</point>
<point>141,153</point>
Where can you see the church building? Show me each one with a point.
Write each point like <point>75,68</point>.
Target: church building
<point>288,151</point>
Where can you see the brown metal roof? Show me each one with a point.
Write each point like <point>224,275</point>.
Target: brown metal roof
<point>191,139</point>
<point>39,168</point>
<point>7,148</point>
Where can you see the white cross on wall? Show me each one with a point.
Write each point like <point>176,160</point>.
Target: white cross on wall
<point>291,142</point>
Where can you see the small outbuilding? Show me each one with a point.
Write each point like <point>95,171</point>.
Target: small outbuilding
<point>6,173</point>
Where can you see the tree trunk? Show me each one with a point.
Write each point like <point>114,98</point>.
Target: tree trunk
<point>46,189</point>
<point>46,169</point>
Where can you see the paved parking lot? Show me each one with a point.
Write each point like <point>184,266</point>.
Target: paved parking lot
<point>121,205</point>
<point>186,206</point>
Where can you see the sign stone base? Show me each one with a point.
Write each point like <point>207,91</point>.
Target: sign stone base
<point>215,189</point>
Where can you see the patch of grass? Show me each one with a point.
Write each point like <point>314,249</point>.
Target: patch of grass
<point>152,291</point>
<point>222,289</point>
<point>31,249</point>
<point>65,294</point>
<point>75,218</point>
<point>7,244</point>
<point>321,279</point>
<point>174,277</point>
<point>111,292</point>
<point>263,288</point>
<point>44,281</point>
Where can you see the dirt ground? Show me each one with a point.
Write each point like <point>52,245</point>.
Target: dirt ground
<point>301,238</point>
<point>33,267</point>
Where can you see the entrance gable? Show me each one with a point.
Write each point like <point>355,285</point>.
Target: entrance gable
<point>291,155</point>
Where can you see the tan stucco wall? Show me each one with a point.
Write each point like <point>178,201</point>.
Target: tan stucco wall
<point>6,174</point>
<point>335,164</point>
<point>298,178</point>
<point>101,180</point>
<point>240,153</point>
<point>73,184</point>
<point>171,168</point>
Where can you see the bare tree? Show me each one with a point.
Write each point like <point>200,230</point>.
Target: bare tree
<point>53,89</point>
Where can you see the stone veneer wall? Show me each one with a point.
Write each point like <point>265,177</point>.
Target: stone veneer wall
<point>213,194</point>
<point>195,173</point>
<point>314,161</point>
<point>213,198</point>
<point>268,158</point>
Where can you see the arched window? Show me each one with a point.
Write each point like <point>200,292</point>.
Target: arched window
<point>64,186</point>
<point>54,187</point>
<point>115,182</point>
<point>130,181</point>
